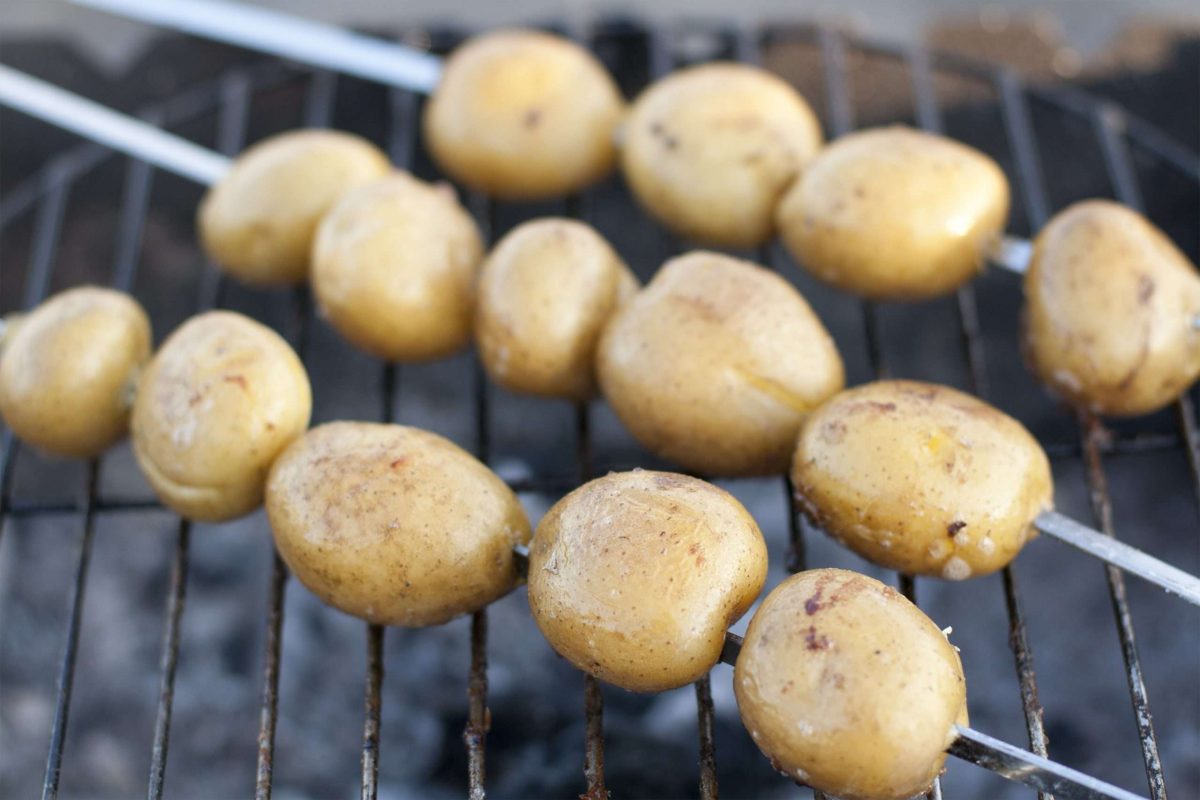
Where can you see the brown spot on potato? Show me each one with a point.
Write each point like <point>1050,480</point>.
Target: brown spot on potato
<point>955,527</point>
<point>815,641</point>
<point>240,380</point>
<point>532,118</point>
<point>813,604</point>
<point>1145,289</point>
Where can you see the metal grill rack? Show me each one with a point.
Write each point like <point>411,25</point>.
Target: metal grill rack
<point>637,54</point>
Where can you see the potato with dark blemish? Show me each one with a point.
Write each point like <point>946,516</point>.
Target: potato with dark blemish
<point>1112,311</point>
<point>393,524</point>
<point>715,364</point>
<point>895,214</point>
<point>68,368</point>
<point>545,292</point>
<point>710,149</point>
<point>849,688</point>
<point>220,400</point>
<point>921,478</point>
<point>524,115</point>
<point>635,576</point>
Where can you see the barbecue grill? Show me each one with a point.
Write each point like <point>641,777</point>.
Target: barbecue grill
<point>544,448</point>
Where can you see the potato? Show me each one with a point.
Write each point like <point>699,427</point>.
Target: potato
<point>921,478</point>
<point>392,524</point>
<point>67,370</point>
<point>715,364</point>
<point>394,269</point>
<point>710,149</point>
<point>1112,311</point>
<point>258,221</point>
<point>545,293</point>
<point>895,214</point>
<point>219,401</point>
<point>846,686</point>
<point>523,115</point>
<point>635,576</point>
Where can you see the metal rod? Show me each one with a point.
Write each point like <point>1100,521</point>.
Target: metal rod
<point>478,717</point>
<point>593,752</point>
<point>372,704</point>
<point>168,662</point>
<point>1012,253</point>
<point>268,712</point>
<point>708,750</point>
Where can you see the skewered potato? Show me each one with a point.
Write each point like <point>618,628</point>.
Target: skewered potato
<point>848,687</point>
<point>258,221</point>
<point>545,292</point>
<point>921,478</point>
<point>635,576</point>
<point>392,524</point>
<point>708,150</point>
<point>895,214</point>
<point>68,368</point>
<point>1112,311</point>
<point>219,401</point>
<point>715,364</point>
<point>394,268</point>
<point>523,115</point>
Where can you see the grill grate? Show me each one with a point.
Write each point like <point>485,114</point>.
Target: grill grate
<point>232,99</point>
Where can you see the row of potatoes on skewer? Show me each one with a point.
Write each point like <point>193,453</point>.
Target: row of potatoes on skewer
<point>717,365</point>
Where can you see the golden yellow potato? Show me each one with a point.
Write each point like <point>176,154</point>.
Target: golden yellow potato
<point>393,524</point>
<point>715,364</point>
<point>394,268</point>
<point>259,220</point>
<point>895,214</point>
<point>635,576</point>
<point>67,370</point>
<point>545,293</point>
<point>921,478</point>
<point>848,687</point>
<point>523,115</point>
<point>220,400</point>
<point>710,149</point>
<point>1112,311</point>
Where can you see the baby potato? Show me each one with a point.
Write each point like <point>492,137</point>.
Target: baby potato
<point>545,293</point>
<point>895,214</point>
<point>921,478</point>
<point>1112,311</point>
<point>258,221</point>
<point>709,150</point>
<point>523,115</point>
<point>67,370</point>
<point>715,364</point>
<point>219,401</point>
<point>635,576</point>
<point>394,268</point>
<point>393,524</point>
<point>848,687</point>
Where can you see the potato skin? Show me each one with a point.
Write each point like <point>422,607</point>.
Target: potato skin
<point>220,400</point>
<point>545,292</point>
<point>67,370</point>
<point>709,150</point>
<point>635,576</point>
<point>848,687</point>
<point>393,524</point>
<point>394,269</point>
<point>259,220</point>
<point>715,364</point>
<point>1110,311</point>
<point>895,214</point>
<point>921,478</point>
<point>523,115</point>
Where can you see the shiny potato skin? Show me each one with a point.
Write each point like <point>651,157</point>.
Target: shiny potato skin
<point>709,150</point>
<point>523,115</point>
<point>921,478</point>
<point>848,687</point>
<point>68,368</point>
<point>393,524</point>
<point>258,221</point>
<point>545,292</point>
<point>220,400</point>
<point>715,364</point>
<point>895,214</point>
<point>1111,310</point>
<point>635,576</point>
<point>394,269</point>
